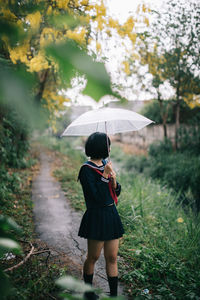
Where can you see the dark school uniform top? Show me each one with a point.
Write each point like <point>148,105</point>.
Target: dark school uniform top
<point>101,220</point>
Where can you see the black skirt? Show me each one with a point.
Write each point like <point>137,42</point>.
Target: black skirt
<point>101,224</point>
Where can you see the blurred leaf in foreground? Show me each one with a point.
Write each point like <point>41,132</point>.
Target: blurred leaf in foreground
<point>72,59</point>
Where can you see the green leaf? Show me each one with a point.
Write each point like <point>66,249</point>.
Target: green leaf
<point>7,245</point>
<point>5,286</point>
<point>11,31</point>
<point>72,284</point>
<point>71,58</point>
<point>59,21</point>
<point>7,223</point>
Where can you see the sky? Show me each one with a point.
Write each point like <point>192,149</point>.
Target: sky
<point>123,8</point>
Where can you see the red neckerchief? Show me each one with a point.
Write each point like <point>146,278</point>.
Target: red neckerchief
<point>111,189</point>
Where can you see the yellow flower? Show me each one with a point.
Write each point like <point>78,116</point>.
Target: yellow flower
<point>144,9</point>
<point>180,220</point>
<point>20,53</point>
<point>112,23</point>
<point>47,36</point>
<point>62,4</point>
<point>146,21</point>
<point>100,9</point>
<point>126,67</point>
<point>77,35</point>
<point>100,22</point>
<point>128,25</point>
<point>98,47</point>
<point>38,63</point>
<point>7,14</point>
<point>84,2</point>
<point>34,20</point>
<point>49,10</point>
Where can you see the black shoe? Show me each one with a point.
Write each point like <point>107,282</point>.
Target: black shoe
<point>90,296</point>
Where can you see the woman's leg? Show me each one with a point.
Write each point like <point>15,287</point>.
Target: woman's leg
<point>110,253</point>
<point>94,251</point>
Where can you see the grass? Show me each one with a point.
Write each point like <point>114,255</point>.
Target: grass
<point>160,248</point>
<point>35,279</point>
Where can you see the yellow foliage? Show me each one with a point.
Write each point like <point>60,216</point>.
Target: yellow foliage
<point>132,37</point>
<point>98,47</point>
<point>126,67</point>
<point>135,56</point>
<point>100,22</point>
<point>38,63</point>
<point>113,23</point>
<point>49,10</point>
<point>146,21</point>
<point>84,2</point>
<point>53,99</point>
<point>34,20</point>
<point>129,24</point>
<point>144,8</point>
<point>108,32</point>
<point>20,53</point>
<point>7,14</point>
<point>77,35</point>
<point>48,36</point>
<point>62,4</point>
<point>192,100</point>
<point>84,19</point>
<point>100,9</point>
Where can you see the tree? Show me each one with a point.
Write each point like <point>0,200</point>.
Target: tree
<point>171,52</point>
<point>28,30</point>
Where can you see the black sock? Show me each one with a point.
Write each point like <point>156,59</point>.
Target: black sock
<point>113,284</point>
<point>88,278</point>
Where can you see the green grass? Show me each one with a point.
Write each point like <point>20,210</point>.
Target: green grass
<point>34,279</point>
<point>160,247</point>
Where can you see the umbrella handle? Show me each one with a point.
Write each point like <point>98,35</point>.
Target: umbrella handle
<point>107,141</point>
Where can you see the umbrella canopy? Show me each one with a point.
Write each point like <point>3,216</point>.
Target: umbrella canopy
<point>108,120</point>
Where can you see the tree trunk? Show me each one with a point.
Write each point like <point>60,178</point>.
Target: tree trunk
<point>177,115</point>
<point>163,116</point>
<point>165,130</point>
<point>42,83</point>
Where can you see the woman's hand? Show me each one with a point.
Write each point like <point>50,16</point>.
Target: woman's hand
<point>113,178</point>
<point>108,169</point>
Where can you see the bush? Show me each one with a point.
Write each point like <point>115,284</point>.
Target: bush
<point>13,139</point>
<point>161,148</point>
<point>189,139</point>
<point>180,171</point>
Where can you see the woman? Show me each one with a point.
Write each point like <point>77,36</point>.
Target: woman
<point>101,224</point>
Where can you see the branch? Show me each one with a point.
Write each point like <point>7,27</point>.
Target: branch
<point>28,256</point>
<point>23,261</point>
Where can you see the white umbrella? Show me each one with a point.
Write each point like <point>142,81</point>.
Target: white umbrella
<point>108,120</point>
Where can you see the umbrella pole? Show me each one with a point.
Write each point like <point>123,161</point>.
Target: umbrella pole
<point>107,141</point>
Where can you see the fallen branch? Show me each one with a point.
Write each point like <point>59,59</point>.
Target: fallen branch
<point>23,261</point>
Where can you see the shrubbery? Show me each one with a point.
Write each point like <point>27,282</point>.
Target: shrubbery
<point>14,146</point>
<point>179,170</point>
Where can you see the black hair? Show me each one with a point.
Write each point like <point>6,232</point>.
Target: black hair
<point>97,145</point>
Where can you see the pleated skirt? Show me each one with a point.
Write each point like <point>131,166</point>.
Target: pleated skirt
<point>101,224</point>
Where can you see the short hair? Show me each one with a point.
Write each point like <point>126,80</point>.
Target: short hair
<point>96,145</point>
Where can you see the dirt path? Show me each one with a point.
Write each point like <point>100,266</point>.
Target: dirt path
<point>57,223</point>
